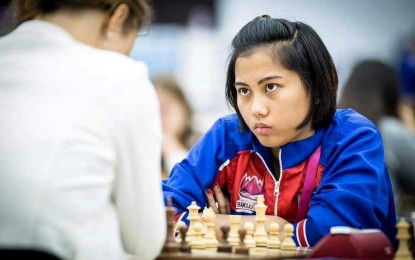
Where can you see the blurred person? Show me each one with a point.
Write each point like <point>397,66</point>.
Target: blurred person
<point>176,115</point>
<point>80,136</point>
<point>317,167</point>
<point>407,78</point>
<point>372,89</point>
<point>6,24</point>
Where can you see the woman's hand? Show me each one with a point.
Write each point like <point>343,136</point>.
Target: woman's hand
<point>217,201</point>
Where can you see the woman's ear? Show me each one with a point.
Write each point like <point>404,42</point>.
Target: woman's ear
<point>116,20</point>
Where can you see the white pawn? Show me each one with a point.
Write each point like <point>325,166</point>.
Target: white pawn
<point>288,242</point>
<point>210,235</point>
<point>249,238</point>
<point>198,242</point>
<point>205,209</point>
<point>274,241</point>
<point>235,222</point>
<point>177,230</point>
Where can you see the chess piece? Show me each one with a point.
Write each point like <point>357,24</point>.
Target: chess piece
<point>274,241</point>
<point>210,236</point>
<point>198,242</point>
<point>241,248</point>
<point>403,236</point>
<point>260,235</point>
<point>204,213</point>
<point>193,218</point>
<point>235,222</point>
<point>205,209</point>
<point>225,246</point>
<point>184,246</point>
<point>170,244</point>
<point>288,242</point>
<point>249,239</point>
<point>179,225</point>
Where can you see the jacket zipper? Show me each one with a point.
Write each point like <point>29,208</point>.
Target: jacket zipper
<point>277,183</point>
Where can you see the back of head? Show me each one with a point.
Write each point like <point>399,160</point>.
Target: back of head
<point>297,47</point>
<point>140,10</point>
<point>372,89</point>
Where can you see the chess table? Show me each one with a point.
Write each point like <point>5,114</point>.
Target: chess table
<point>254,253</point>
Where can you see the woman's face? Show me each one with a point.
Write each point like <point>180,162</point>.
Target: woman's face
<point>272,100</point>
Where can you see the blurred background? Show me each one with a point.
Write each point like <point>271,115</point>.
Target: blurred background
<point>190,39</point>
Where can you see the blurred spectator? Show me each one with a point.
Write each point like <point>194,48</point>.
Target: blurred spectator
<point>407,77</point>
<point>373,90</point>
<point>6,21</point>
<point>176,114</point>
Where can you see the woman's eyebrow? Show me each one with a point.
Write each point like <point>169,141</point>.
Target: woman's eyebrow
<point>240,83</point>
<point>259,82</point>
<point>268,78</point>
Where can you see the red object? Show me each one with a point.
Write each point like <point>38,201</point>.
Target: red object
<point>345,242</point>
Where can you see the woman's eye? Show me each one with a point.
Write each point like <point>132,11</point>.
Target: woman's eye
<point>243,91</point>
<point>271,87</point>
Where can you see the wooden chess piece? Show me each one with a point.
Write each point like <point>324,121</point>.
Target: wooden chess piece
<point>225,246</point>
<point>210,236</point>
<point>249,238</point>
<point>274,241</point>
<point>403,236</point>
<point>193,218</point>
<point>198,242</point>
<point>179,224</point>
<point>241,248</point>
<point>202,218</point>
<point>288,242</point>
<point>235,222</point>
<point>170,244</point>
<point>184,246</point>
<point>260,235</point>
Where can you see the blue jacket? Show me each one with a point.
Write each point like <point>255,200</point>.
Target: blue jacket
<point>352,187</point>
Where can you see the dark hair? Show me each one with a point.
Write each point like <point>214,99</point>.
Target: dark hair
<point>372,89</point>
<point>140,10</point>
<point>298,48</point>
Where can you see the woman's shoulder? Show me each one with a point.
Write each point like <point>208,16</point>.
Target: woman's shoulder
<point>227,128</point>
<point>350,127</point>
<point>116,64</point>
<point>230,125</point>
<point>348,121</point>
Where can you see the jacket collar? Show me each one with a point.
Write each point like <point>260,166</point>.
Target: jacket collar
<point>292,154</point>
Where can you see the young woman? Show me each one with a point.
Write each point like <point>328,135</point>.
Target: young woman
<point>80,136</point>
<point>316,167</point>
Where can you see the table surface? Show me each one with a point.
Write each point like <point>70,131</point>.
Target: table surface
<point>254,253</point>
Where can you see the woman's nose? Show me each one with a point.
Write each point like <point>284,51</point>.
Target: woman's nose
<point>259,107</point>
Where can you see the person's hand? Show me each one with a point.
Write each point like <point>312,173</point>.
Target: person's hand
<point>217,201</point>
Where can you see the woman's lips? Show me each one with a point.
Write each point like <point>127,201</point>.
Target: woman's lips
<point>262,129</point>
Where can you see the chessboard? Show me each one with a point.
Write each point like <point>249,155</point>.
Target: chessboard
<point>200,240</point>
<point>254,253</point>
<point>234,240</point>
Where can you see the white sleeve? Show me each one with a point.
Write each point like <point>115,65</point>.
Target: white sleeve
<point>137,190</point>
